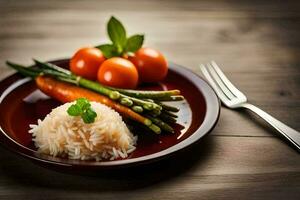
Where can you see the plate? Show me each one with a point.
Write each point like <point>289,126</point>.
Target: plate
<point>21,104</point>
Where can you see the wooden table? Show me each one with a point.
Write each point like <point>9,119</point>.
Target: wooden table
<point>256,43</point>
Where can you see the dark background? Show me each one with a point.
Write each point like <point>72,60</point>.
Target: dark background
<point>256,43</point>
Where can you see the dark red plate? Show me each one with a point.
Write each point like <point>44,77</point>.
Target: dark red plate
<point>21,104</point>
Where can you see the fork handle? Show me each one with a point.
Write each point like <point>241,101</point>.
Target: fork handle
<point>290,134</point>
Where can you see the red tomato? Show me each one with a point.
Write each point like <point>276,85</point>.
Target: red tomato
<point>118,72</point>
<point>151,65</point>
<point>86,62</point>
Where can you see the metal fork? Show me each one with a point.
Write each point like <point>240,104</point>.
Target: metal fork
<point>232,98</point>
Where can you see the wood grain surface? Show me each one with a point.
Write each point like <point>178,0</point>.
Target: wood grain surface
<point>257,44</point>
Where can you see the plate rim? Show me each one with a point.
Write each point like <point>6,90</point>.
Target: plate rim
<point>213,109</point>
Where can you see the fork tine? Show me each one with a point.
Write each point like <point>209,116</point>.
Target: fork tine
<point>226,82</point>
<point>212,83</point>
<point>219,82</point>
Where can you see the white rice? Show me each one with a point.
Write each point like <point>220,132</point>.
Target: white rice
<point>60,134</point>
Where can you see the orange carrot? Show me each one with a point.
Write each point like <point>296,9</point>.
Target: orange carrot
<point>66,92</point>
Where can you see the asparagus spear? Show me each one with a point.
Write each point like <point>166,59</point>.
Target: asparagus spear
<point>126,102</point>
<point>170,114</point>
<point>25,71</point>
<point>147,94</point>
<point>115,94</point>
<point>167,107</point>
<point>161,124</point>
<point>52,67</point>
<point>137,109</point>
<point>172,98</point>
<point>167,118</point>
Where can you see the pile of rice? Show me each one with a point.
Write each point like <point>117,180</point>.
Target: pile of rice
<point>60,134</point>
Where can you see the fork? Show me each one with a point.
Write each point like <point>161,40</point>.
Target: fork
<point>232,98</point>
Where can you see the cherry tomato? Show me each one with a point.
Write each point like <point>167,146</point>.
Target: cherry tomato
<point>151,65</point>
<point>86,62</point>
<point>118,72</point>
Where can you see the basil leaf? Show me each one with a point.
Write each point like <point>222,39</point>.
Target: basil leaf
<point>108,50</point>
<point>82,108</point>
<point>86,119</point>
<point>82,103</point>
<point>117,33</point>
<point>91,113</point>
<point>89,116</point>
<point>134,43</point>
<point>74,110</point>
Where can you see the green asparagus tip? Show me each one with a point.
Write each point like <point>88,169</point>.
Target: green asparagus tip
<point>168,107</point>
<point>176,92</point>
<point>114,95</point>
<point>167,118</point>
<point>155,128</point>
<point>163,125</point>
<point>23,70</point>
<point>148,122</point>
<point>156,112</point>
<point>148,106</point>
<point>170,113</point>
<point>138,109</point>
<point>177,98</point>
<point>127,102</point>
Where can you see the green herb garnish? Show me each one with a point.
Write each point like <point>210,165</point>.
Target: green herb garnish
<point>121,44</point>
<point>82,108</point>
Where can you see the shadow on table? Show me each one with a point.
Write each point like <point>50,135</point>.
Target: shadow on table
<point>19,171</point>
